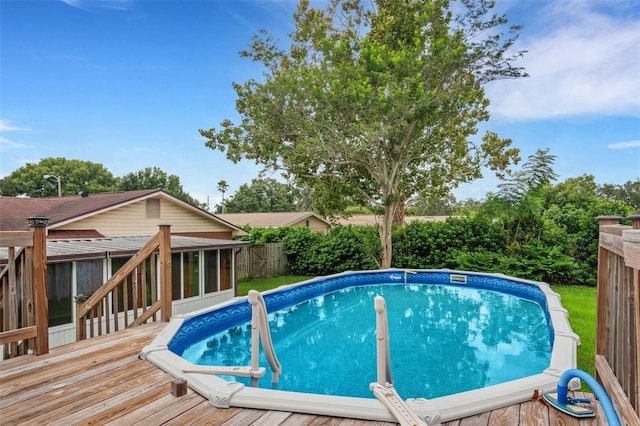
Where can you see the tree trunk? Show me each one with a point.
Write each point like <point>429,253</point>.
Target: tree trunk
<point>398,216</point>
<point>385,233</point>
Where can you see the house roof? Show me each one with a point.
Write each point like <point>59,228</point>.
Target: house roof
<point>99,248</point>
<point>272,219</point>
<point>63,210</point>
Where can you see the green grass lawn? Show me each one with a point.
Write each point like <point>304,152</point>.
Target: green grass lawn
<point>263,284</point>
<point>580,301</point>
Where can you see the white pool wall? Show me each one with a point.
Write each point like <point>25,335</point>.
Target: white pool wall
<point>224,394</point>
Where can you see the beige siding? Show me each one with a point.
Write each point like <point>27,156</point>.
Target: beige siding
<point>132,220</point>
<point>315,224</point>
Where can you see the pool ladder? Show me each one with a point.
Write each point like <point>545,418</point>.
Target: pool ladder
<point>383,389</point>
<point>259,332</point>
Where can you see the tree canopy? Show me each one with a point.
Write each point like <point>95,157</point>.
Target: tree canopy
<point>263,195</point>
<point>628,193</point>
<point>155,178</point>
<point>84,176</point>
<point>375,102</point>
<point>75,176</point>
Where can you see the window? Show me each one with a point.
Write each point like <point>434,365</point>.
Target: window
<point>89,276</point>
<point>153,209</point>
<point>59,293</point>
<point>210,271</point>
<point>185,275</point>
<point>176,280</point>
<point>191,274</point>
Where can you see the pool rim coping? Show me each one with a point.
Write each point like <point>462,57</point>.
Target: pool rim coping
<point>223,394</point>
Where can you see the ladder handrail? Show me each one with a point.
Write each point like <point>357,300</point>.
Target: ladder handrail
<point>383,389</point>
<point>260,331</point>
<point>382,346</point>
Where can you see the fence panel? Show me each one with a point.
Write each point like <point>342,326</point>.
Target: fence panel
<point>261,261</point>
<point>618,323</point>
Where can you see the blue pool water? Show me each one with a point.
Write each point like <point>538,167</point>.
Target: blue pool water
<point>444,339</point>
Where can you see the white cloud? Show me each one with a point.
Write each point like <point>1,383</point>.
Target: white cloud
<point>6,126</point>
<point>6,144</point>
<point>102,4</point>
<point>624,145</point>
<point>587,63</point>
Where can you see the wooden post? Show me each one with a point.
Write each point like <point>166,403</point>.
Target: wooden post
<point>179,387</point>
<point>28,314</point>
<point>165,272</point>
<point>38,225</point>
<point>81,320</point>
<point>635,221</point>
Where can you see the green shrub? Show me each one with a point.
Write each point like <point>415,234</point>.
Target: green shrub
<point>302,247</point>
<point>434,245</point>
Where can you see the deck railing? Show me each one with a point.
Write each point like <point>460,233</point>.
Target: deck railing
<point>24,326</point>
<point>617,359</point>
<point>130,297</point>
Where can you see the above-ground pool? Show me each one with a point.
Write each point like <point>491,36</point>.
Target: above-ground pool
<point>456,352</point>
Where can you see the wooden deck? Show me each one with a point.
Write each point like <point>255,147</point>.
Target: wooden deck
<point>102,381</point>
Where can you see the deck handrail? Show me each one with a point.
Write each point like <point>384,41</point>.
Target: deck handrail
<point>102,311</point>
<point>617,357</point>
<point>23,291</point>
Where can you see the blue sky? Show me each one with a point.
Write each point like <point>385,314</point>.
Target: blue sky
<point>128,83</point>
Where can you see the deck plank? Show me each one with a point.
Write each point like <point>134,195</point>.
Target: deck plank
<point>534,413</point>
<point>78,385</point>
<point>53,372</point>
<point>272,418</point>
<point>81,409</point>
<point>160,411</point>
<point>102,381</point>
<point>481,419</point>
<point>504,416</point>
<point>67,393</point>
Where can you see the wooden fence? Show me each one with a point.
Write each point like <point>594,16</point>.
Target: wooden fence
<point>130,296</point>
<point>24,326</point>
<point>262,260</point>
<point>617,361</point>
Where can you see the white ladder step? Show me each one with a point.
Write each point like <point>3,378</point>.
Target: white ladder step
<point>227,371</point>
<point>398,408</point>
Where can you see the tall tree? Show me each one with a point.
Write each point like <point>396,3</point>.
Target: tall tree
<point>222,188</point>
<point>156,178</point>
<point>74,175</point>
<point>375,102</point>
<point>628,193</point>
<point>520,199</point>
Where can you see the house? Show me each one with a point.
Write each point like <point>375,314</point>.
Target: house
<point>310,220</point>
<point>374,220</point>
<point>90,236</point>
